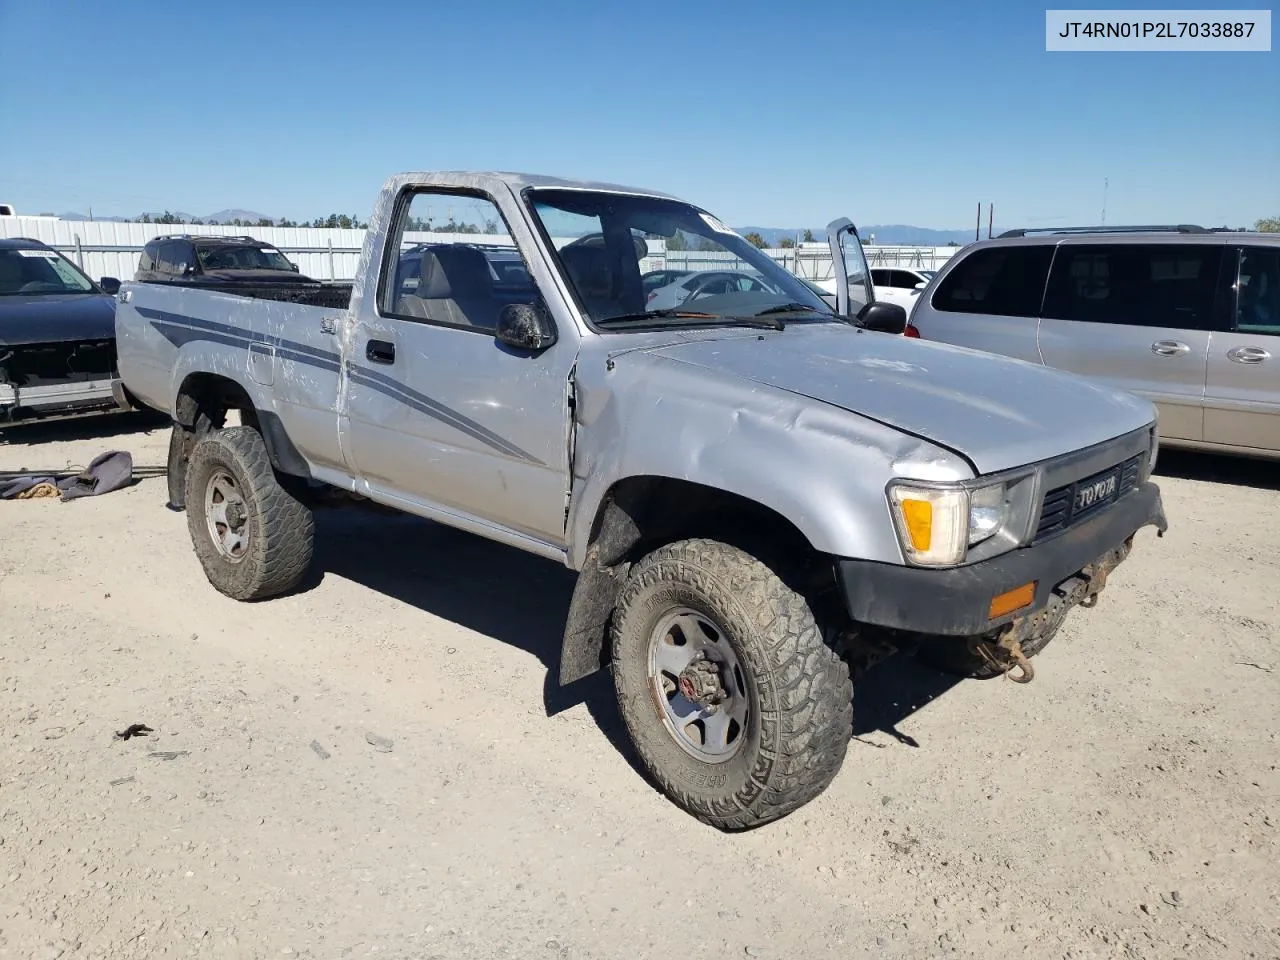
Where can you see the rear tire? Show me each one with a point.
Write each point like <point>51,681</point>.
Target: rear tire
<point>789,688</point>
<point>253,537</point>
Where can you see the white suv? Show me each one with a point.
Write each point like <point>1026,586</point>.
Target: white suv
<point>1187,317</point>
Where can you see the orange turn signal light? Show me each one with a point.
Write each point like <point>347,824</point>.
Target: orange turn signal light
<point>1012,600</point>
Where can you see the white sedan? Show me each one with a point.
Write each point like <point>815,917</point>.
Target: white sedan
<point>900,285</point>
<point>706,283</point>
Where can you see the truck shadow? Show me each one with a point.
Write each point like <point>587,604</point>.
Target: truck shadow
<point>1217,468</point>
<point>522,600</point>
<point>892,691</point>
<point>515,597</point>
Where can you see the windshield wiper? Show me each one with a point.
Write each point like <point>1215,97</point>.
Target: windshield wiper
<point>788,308</point>
<point>675,314</point>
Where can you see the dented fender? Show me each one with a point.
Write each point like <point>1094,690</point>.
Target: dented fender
<point>639,414</point>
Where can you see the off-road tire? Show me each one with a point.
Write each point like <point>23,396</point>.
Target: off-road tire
<point>280,528</point>
<point>956,656</point>
<point>801,695</point>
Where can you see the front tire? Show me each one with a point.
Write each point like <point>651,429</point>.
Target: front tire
<point>253,537</point>
<point>738,708</point>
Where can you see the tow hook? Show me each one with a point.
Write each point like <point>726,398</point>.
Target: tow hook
<point>1006,656</point>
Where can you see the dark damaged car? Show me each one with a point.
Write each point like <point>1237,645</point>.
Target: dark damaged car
<point>57,335</point>
<point>241,265</point>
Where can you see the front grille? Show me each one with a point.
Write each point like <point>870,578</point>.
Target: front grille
<point>1061,510</point>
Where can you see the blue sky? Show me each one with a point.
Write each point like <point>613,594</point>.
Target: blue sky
<point>766,113</point>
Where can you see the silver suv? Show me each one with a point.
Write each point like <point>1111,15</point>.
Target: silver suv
<point>1187,317</point>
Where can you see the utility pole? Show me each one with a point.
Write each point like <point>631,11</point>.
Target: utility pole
<point>991,216</point>
<point>977,227</point>
<point>1105,182</point>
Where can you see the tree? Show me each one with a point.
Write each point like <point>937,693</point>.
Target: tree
<point>808,236</point>
<point>1268,225</point>
<point>786,243</point>
<point>677,242</point>
<point>755,240</point>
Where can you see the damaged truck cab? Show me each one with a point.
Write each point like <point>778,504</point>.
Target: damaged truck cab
<point>759,494</point>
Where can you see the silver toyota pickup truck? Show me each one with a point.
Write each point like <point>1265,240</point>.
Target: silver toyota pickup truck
<point>759,494</point>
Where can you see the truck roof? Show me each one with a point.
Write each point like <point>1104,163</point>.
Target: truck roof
<point>488,180</point>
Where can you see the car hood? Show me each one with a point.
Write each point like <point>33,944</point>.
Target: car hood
<point>995,411</point>
<point>56,317</point>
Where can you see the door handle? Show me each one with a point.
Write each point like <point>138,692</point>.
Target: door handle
<point>380,351</point>
<point>1248,355</point>
<point>1169,348</point>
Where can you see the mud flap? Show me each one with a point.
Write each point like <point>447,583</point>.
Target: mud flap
<point>594,596</point>
<point>596,593</point>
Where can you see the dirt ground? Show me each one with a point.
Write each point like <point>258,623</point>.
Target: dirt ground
<point>1123,805</point>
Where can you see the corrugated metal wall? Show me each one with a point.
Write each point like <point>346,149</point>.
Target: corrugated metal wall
<point>105,248</point>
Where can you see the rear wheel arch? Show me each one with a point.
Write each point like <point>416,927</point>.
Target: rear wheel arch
<point>202,405</point>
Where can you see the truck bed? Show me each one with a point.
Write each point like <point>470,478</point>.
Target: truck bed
<point>164,331</point>
<point>330,295</point>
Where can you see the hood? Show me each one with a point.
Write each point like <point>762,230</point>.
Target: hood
<point>995,411</point>
<point>50,318</point>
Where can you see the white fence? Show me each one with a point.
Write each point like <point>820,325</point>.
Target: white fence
<point>108,249</point>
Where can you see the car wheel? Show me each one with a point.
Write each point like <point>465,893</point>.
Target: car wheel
<point>253,537</point>
<point>739,709</point>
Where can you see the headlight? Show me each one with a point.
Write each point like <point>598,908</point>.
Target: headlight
<point>937,525</point>
<point>988,510</point>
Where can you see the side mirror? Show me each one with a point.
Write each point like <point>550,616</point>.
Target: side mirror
<point>883,317</point>
<point>525,327</point>
<point>109,285</point>
<point>920,286</point>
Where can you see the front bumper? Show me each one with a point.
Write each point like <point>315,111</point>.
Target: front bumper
<point>55,398</point>
<point>957,601</point>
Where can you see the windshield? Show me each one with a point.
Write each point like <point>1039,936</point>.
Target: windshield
<point>226,257</point>
<point>632,259</point>
<point>35,272</point>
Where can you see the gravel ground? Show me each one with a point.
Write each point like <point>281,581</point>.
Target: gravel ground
<point>381,765</point>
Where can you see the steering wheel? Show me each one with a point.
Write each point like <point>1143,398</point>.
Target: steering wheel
<point>701,290</point>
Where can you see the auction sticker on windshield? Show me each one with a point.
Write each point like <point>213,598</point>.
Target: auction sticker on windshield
<point>47,254</point>
<point>716,225</point>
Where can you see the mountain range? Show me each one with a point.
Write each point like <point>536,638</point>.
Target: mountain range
<point>892,234</point>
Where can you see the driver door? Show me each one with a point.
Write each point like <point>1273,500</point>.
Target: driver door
<point>444,418</point>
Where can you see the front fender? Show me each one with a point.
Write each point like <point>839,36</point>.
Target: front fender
<point>822,468</point>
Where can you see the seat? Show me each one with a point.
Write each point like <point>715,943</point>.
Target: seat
<point>10,272</point>
<point>455,286</point>
<point>588,268</point>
